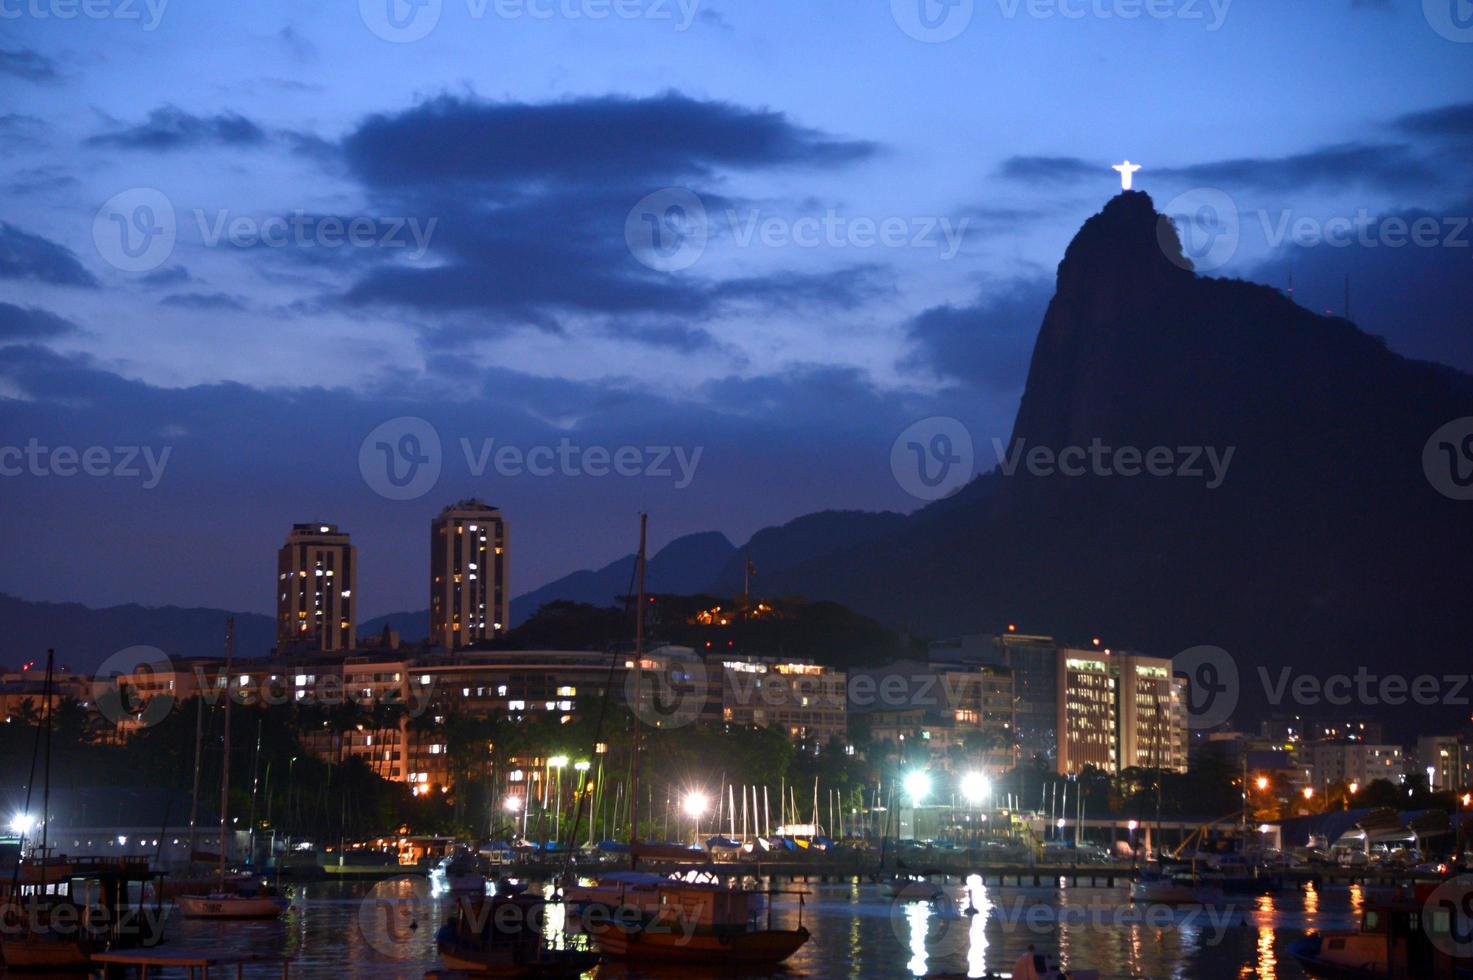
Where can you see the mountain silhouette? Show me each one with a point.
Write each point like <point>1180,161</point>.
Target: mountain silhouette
<point>1325,546</point>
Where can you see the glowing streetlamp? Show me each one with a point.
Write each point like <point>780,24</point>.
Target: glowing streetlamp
<point>1262,783</point>
<point>1354,788</point>
<point>695,806</point>
<point>975,787</point>
<point>512,804</point>
<point>22,823</point>
<point>917,786</point>
<point>1308,793</point>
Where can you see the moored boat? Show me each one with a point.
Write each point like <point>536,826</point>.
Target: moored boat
<point>502,937</point>
<point>1400,940</point>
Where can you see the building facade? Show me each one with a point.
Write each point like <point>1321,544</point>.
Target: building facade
<point>807,701</point>
<point>1355,762</point>
<point>470,601</point>
<point>317,576</point>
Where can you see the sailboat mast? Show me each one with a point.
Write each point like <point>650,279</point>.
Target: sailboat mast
<point>199,735</point>
<point>225,750</point>
<point>46,773</point>
<point>639,694</point>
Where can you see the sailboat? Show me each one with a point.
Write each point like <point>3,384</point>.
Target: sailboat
<point>653,918</point>
<point>262,903</point>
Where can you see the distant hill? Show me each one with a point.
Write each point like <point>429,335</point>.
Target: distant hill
<point>687,564</point>
<point>84,637</point>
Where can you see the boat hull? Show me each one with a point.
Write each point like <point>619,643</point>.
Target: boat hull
<point>763,946</point>
<point>503,962</point>
<point>232,906</point>
<point>45,954</point>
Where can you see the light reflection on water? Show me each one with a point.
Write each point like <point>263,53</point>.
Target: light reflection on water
<point>376,932</point>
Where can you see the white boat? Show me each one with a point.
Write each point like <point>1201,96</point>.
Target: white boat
<point>457,873</point>
<point>226,906</point>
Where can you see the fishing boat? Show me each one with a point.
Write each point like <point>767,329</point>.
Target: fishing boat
<point>676,920</point>
<point>260,902</point>
<point>1400,940</point>
<point>501,936</point>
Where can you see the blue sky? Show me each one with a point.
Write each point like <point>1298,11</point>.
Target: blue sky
<point>522,146</point>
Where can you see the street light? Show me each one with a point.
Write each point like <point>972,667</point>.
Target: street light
<point>975,787</point>
<point>695,807</point>
<point>1262,782</point>
<point>22,823</point>
<point>917,786</point>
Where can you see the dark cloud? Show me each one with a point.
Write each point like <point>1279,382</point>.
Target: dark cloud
<point>171,128</point>
<point>25,63</point>
<point>40,180</point>
<point>1048,168</point>
<point>27,256</point>
<point>609,139</point>
<point>204,301</point>
<point>531,203</point>
<point>31,323</point>
<point>986,344</point>
<point>1447,121</point>
<point>169,275</point>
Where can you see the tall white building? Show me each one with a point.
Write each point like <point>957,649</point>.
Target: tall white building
<point>316,576</point>
<point>470,600</point>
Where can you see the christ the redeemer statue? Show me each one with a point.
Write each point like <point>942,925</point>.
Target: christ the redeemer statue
<point>1127,172</point>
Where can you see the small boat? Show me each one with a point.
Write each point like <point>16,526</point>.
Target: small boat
<point>502,937</point>
<point>915,889</point>
<point>1177,889</point>
<point>1399,939</point>
<point>459,873</point>
<point>262,904</point>
<point>694,922</point>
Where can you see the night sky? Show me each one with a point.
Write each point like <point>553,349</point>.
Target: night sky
<point>883,209</point>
